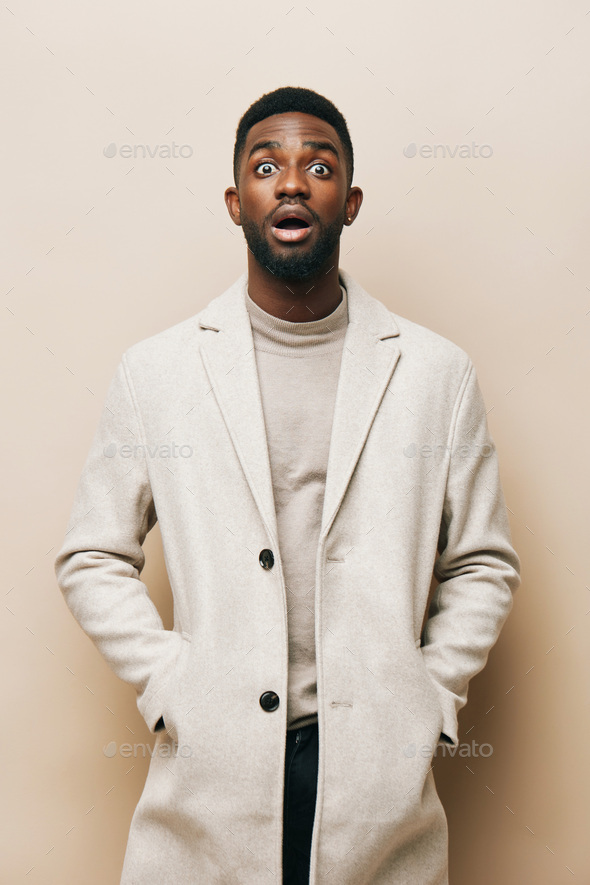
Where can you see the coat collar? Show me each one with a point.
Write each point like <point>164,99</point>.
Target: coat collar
<point>369,357</point>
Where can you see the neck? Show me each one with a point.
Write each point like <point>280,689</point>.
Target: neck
<point>299,301</point>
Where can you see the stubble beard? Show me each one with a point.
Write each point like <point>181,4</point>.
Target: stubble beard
<point>294,263</point>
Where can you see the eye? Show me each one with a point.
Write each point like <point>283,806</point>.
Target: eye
<point>317,166</point>
<point>265,167</point>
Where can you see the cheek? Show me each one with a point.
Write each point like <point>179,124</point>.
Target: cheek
<point>335,213</point>
<point>332,205</point>
<point>257,201</point>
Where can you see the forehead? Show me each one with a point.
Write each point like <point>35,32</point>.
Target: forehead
<point>291,129</point>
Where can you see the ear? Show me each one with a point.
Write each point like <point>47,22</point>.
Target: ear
<point>353,204</point>
<point>232,201</point>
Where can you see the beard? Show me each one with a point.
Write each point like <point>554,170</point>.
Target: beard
<point>294,263</point>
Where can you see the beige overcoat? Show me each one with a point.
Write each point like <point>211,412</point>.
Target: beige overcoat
<point>412,485</point>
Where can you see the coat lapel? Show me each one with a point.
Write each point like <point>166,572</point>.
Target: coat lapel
<point>366,368</point>
<point>230,363</point>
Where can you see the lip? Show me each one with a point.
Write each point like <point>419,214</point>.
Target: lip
<point>292,211</point>
<point>293,235</point>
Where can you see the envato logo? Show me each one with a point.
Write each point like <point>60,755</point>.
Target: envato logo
<point>467,450</point>
<point>465,151</point>
<point>145,151</point>
<point>142,751</point>
<point>139,451</point>
<point>472,749</point>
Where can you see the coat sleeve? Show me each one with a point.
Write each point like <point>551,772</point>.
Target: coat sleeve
<point>99,565</point>
<point>477,568</point>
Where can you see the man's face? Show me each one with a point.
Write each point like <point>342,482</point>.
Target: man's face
<point>292,165</point>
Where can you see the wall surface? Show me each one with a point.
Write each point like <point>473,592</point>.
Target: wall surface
<point>471,133</point>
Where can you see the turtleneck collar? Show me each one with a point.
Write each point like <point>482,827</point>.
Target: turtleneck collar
<point>275,335</point>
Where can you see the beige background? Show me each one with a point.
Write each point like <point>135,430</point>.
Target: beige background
<point>488,251</point>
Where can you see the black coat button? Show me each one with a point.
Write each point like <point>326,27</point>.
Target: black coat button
<point>266,558</point>
<point>269,701</point>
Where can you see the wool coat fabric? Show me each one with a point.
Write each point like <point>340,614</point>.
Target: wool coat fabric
<point>412,490</point>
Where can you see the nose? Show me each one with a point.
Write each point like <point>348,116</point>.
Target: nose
<point>291,182</point>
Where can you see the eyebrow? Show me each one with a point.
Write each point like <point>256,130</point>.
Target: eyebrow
<point>316,145</point>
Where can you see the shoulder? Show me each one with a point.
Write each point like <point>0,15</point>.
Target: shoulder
<point>162,345</point>
<point>419,345</point>
<point>179,342</point>
<point>430,344</point>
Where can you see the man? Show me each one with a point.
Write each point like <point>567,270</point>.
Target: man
<point>331,457</point>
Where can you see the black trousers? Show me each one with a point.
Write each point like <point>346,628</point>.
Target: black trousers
<point>301,777</point>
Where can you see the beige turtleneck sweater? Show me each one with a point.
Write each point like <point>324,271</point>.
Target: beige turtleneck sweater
<point>298,369</point>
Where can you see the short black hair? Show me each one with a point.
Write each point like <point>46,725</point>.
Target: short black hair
<point>293,99</point>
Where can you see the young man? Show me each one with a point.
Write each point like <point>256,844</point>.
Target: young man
<point>328,457</point>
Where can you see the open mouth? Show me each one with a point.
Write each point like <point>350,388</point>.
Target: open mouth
<point>292,224</point>
<point>291,230</point>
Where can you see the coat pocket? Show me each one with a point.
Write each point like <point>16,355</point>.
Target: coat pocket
<point>430,682</point>
<point>446,703</point>
<point>169,693</point>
